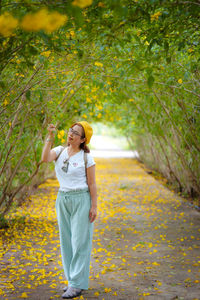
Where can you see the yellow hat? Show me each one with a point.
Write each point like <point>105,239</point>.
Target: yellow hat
<point>88,130</point>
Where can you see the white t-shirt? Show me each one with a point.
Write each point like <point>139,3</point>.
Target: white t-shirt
<point>75,178</point>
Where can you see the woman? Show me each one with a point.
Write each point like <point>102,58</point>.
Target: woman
<point>76,203</point>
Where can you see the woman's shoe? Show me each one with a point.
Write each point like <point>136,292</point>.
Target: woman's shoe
<point>71,293</point>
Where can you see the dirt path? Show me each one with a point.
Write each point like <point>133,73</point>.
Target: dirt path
<point>146,242</point>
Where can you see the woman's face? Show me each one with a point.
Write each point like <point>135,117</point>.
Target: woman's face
<point>75,136</point>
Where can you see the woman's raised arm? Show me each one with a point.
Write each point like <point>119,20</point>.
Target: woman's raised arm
<point>49,155</point>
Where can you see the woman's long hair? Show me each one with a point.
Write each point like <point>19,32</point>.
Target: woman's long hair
<point>82,145</point>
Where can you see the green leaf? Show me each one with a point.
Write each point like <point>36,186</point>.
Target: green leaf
<point>28,94</point>
<point>166,46</point>
<point>150,81</point>
<point>2,84</point>
<point>168,59</point>
<point>80,53</point>
<point>181,45</point>
<point>33,50</point>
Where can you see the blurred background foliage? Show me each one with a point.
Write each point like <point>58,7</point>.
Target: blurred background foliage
<point>132,65</point>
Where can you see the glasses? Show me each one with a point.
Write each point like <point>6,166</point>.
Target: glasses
<point>66,165</point>
<point>71,130</point>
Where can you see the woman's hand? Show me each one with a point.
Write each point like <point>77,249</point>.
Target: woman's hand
<point>51,129</point>
<point>92,214</point>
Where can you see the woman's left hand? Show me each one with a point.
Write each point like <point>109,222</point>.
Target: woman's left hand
<point>92,214</point>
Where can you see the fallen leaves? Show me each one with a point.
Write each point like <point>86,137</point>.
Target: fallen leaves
<point>143,238</point>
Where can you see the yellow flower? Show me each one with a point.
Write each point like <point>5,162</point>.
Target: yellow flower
<point>99,116</point>
<point>35,21</point>
<point>155,16</point>
<point>43,20</point>
<point>5,103</point>
<point>72,33</point>
<point>24,295</point>
<point>82,3</point>
<point>96,294</point>
<point>84,116</point>
<point>155,263</point>
<point>180,81</point>
<point>55,21</point>
<point>7,24</point>
<point>101,4</point>
<point>190,50</point>
<point>108,290</point>
<point>88,100</point>
<point>94,89</point>
<point>1,292</point>
<point>62,132</point>
<point>98,64</point>
<point>46,53</point>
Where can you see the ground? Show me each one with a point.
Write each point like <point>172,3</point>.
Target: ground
<point>146,241</point>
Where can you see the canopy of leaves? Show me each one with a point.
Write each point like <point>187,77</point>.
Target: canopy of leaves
<point>132,64</point>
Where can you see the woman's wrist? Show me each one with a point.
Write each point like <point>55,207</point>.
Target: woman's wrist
<point>50,138</point>
<point>94,206</point>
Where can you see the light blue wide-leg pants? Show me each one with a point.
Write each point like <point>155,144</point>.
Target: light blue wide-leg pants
<point>75,231</point>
